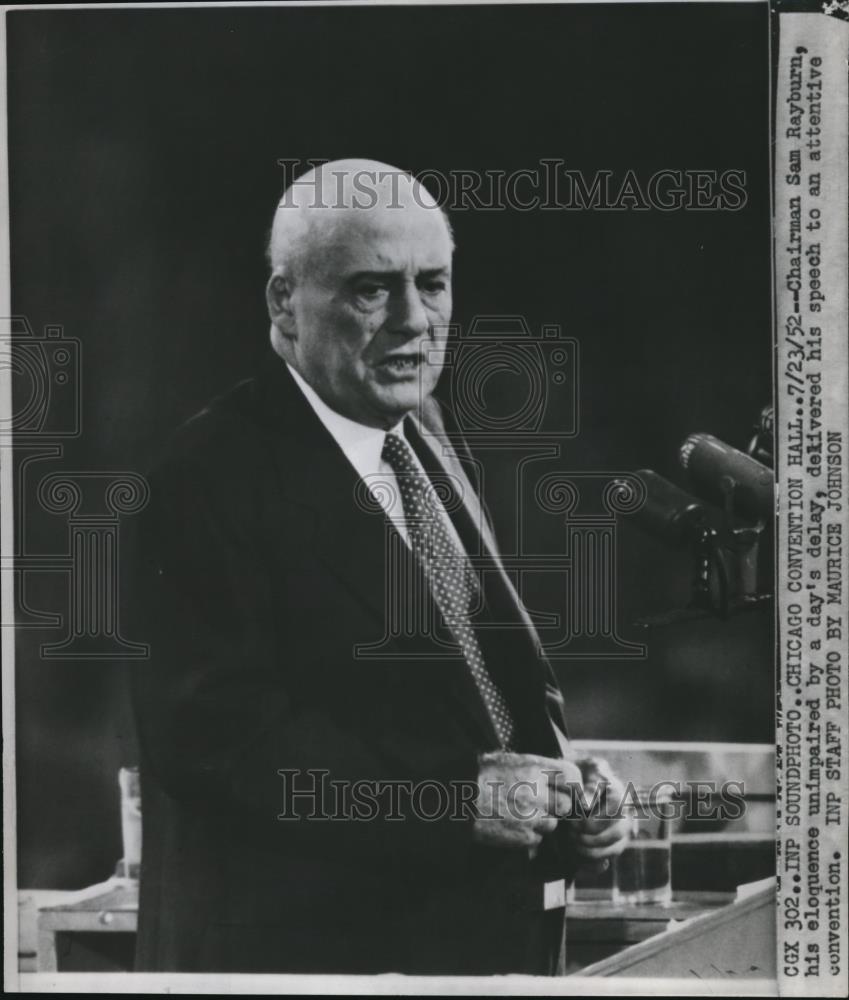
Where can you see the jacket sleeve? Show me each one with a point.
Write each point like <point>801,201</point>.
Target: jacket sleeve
<point>214,711</point>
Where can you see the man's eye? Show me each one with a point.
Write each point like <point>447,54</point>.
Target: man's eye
<point>370,290</point>
<point>435,286</point>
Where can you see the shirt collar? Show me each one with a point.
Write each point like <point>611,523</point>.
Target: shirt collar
<point>362,445</point>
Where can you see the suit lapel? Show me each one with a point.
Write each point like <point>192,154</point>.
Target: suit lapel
<point>349,534</point>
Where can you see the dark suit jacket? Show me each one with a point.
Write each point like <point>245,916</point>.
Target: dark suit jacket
<point>258,575</point>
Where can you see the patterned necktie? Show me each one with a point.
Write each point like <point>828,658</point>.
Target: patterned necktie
<point>448,571</point>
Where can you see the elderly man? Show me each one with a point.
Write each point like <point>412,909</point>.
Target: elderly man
<point>327,788</point>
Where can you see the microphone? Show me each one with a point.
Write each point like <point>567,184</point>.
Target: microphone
<point>668,512</point>
<point>724,473</point>
<point>766,419</point>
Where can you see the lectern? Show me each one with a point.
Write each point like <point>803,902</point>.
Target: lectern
<point>734,942</point>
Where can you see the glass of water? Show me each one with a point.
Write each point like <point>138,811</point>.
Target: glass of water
<point>642,873</point>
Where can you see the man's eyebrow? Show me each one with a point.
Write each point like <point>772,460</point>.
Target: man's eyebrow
<point>375,273</point>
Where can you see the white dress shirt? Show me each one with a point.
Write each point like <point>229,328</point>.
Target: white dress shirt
<point>363,447</point>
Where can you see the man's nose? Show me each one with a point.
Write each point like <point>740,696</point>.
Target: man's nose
<point>409,316</point>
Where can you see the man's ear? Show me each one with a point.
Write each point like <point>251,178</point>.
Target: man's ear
<point>278,296</point>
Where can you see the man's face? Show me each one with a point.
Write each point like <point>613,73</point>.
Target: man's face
<point>369,312</point>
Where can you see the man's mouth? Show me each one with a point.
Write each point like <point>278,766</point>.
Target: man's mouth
<point>401,364</point>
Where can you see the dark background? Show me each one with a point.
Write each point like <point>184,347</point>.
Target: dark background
<point>143,175</point>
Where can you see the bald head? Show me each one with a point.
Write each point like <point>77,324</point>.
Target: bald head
<point>343,200</point>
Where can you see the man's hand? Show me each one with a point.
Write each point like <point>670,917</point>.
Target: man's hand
<point>521,797</point>
<point>602,834</point>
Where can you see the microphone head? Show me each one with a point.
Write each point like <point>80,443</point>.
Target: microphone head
<point>761,446</point>
<point>668,512</point>
<point>721,472</point>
